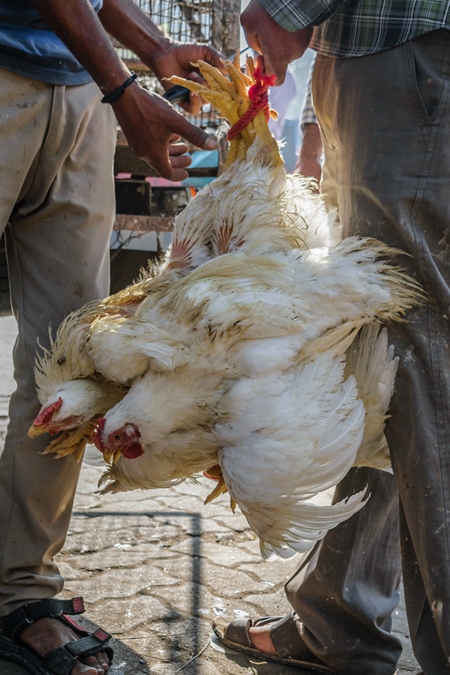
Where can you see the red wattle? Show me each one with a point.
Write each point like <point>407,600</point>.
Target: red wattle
<point>133,451</point>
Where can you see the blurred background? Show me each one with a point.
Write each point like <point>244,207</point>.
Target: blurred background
<point>146,205</point>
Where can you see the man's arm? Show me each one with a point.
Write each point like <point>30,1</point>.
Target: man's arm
<point>148,121</point>
<point>309,162</point>
<point>281,30</point>
<point>135,30</point>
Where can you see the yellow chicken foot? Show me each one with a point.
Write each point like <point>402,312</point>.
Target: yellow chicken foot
<point>216,80</point>
<point>230,98</point>
<point>220,489</point>
<point>250,65</point>
<point>71,442</point>
<point>229,104</point>
<point>240,80</point>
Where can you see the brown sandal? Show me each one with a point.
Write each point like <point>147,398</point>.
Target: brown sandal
<point>235,635</point>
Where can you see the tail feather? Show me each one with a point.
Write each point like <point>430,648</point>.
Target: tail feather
<point>288,538</point>
<point>376,258</point>
<point>371,360</point>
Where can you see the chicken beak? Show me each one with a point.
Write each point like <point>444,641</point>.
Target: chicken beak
<point>43,421</point>
<point>108,457</point>
<point>112,457</point>
<point>36,431</point>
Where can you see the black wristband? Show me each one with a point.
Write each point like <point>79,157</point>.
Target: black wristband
<point>117,93</point>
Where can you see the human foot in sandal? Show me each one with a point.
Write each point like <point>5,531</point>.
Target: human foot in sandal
<point>43,637</point>
<point>254,637</point>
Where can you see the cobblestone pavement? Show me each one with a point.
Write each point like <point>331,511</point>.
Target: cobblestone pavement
<point>155,567</point>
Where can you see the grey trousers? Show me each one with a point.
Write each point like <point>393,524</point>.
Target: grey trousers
<point>385,121</point>
<point>57,205</point>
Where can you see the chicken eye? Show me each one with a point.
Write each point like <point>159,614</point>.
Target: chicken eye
<point>117,437</point>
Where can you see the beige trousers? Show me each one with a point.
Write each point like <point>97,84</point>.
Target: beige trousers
<point>57,209</point>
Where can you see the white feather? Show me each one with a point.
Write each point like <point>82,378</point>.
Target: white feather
<point>238,352</point>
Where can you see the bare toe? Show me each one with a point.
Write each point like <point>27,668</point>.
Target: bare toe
<point>98,661</point>
<point>261,639</point>
<point>47,634</point>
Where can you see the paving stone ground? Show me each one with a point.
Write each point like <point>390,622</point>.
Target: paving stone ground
<point>156,567</point>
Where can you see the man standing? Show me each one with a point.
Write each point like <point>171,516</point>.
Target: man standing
<point>381,91</point>
<point>57,139</point>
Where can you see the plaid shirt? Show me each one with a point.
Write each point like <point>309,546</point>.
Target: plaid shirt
<point>346,28</point>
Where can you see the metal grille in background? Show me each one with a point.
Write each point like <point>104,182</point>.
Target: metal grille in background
<point>184,20</point>
<point>214,22</point>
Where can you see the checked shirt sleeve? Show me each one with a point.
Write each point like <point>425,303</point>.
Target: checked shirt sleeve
<point>293,15</point>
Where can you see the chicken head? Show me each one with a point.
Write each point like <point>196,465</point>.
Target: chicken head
<point>126,441</point>
<point>71,411</point>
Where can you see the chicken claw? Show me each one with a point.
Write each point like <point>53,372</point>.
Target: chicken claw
<point>71,442</point>
<point>216,80</point>
<point>215,472</point>
<point>230,98</point>
<point>220,489</point>
<point>240,80</point>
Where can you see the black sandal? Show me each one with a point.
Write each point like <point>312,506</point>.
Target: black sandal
<point>59,661</point>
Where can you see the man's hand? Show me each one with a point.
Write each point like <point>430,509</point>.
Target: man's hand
<point>278,46</point>
<point>176,58</point>
<point>164,56</point>
<point>148,121</point>
<point>151,125</point>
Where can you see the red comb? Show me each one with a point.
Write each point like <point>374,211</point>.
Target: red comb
<point>46,415</point>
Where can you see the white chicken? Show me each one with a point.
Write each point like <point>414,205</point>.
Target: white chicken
<point>280,437</point>
<point>253,312</point>
<point>71,391</point>
<point>245,356</point>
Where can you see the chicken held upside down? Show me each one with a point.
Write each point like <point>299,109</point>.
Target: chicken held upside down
<point>253,354</point>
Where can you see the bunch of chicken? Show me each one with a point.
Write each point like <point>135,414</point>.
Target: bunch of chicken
<point>247,360</point>
<point>72,393</point>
